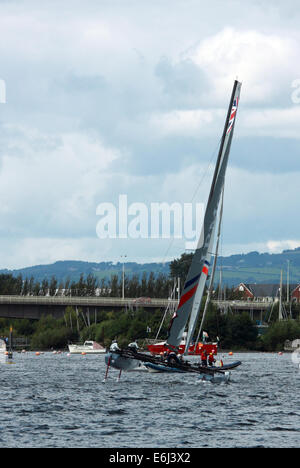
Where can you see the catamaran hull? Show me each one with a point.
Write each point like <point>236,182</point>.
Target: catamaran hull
<point>153,368</point>
<point>124,364</point>
<point>216,378</point>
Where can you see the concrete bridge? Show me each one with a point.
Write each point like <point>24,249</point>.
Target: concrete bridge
<point>258,310</point>
<point>34,307</point>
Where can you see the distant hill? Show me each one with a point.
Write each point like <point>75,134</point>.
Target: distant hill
<point>72,269</point>
<point>252,267</point>
<point>255,267</point>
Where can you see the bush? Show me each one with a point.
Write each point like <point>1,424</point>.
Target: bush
<point>279,332</point>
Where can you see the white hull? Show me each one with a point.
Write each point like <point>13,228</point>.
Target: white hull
<point>73,349</point>
<point>216,378</point>
<point>86,349</point>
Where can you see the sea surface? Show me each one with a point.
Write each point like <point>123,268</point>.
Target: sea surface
<point>56,400</point>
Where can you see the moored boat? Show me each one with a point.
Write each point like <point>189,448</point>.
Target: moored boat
<point>89,347</point>
<point>161,348</point>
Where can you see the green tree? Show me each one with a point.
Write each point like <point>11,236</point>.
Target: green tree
<point>53,286</point>
<point>278,332</point>
<point>179,267</point>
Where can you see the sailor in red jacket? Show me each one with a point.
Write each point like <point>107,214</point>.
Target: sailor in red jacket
<point>203,358</point>
<point>211,359</point>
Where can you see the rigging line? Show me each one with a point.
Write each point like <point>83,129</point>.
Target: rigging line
<point>195,192</point>
<point>211,283</point>
<point>207,169</point>
<point>166,310</point>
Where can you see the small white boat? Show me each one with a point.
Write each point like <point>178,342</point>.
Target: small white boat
<point>5,355</point>
<point>3,351</point>
<point>89,347</point>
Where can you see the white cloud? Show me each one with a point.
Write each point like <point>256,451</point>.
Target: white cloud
<point>263,62</point>
<point>275,122</point>
<point>196,123</point>
<point>279,246</point>
<point>30,251</point>
<point>104,99</point>
<point>49,183</point>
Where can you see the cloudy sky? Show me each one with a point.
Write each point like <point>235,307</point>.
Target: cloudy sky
<point>128,97</point>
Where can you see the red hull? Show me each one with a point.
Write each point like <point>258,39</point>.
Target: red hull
<point>161,348</point>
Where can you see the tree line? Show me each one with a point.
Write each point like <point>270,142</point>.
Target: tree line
<point>149,285</point>
<point>233,332</point>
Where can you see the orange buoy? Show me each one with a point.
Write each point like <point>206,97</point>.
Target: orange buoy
<point>83,353</point>
<point>230,353</point>
<point>37,353</point>
<point>280,353</point>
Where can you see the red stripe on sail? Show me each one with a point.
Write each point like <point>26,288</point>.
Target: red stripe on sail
<point>187,296</point>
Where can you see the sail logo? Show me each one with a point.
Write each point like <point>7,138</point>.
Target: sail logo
<point>157,221</point>
<point>295,96</point>
<point>2,92</point>
<point>232,115</point>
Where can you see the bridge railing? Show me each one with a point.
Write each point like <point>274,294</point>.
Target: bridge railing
<point>87,301</point>
<point>237,304</point>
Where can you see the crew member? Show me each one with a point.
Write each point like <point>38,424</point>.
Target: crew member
<point>133,346</point>
<point>203,358</point>
<point>211,359</point>
<point>114,346</point>
<point>172,358</point>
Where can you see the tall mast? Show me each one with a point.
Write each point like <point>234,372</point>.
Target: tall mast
<point>288,282</point>
<point>280,298</point>
<point>211,284</point>
<point>190,300</point>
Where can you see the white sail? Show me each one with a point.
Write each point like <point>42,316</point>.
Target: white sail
<point>192,293</point>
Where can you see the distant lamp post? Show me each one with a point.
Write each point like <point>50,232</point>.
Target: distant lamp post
<point>288,282</point>
<point>123,277</point>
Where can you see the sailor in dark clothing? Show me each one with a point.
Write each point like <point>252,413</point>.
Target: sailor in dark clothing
<point>172,358</point>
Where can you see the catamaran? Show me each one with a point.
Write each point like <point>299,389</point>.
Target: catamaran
<point>188,309</point>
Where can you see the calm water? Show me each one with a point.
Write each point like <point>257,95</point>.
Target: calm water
<point>61,401</point>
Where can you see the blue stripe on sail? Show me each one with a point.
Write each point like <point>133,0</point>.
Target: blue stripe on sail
<point>191,281</point>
